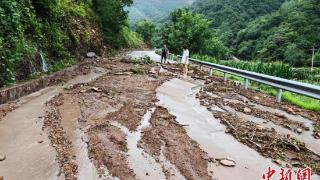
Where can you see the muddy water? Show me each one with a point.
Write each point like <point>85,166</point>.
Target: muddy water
<point>144,165</point>
<point>179,98</point>
<point>21,134</point>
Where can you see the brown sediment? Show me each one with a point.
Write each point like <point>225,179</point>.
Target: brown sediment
<point>265,99</point>
<point>59,139</point>
<point>108,148</point>
<point>119,96</point>
<point>5,109</point>
<point>269,143</point>
<point>265,140</point>
<point>226,90</point>
<point>179,148</point>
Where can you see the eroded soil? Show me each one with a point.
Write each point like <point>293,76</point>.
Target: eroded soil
<point>104,127</point>
<point>167,135</point>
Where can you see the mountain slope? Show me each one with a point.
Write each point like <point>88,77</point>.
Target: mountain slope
<point>288,34</point>
<point>230,16</point>
<point>154,10</point>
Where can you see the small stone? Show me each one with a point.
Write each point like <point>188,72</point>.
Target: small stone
<point>247,110</point>
<point>227,162</point>
<point>256,97</point>
<point>82,91</point>
<point>290,110</point>
<point>2,157</point>
<point>91,55</point>
<point>147,174</point>
<point>96,89</point>
<point>299,130</point>
<point>1,178</point>
<point>40,142</point>
<point>260,128</point>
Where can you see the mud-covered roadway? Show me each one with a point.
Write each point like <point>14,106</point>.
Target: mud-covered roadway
<point>121,119</point>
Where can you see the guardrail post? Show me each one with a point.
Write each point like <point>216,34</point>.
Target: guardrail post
<point>211,72</point>
<point>279,95</point>
<point>246,83</point>
<point>225,78</point>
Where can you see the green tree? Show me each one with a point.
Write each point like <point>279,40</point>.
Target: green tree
<point>113,18</point>
<point>146,29</point>
<point>215,48</point>
<point>191,29</point>
<point>186,28</point>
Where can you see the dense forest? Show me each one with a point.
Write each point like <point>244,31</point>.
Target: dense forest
<point>266,30</point>
<point>38,36</point>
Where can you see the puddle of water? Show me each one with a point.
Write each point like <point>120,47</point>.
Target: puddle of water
<point>306,137</point>
<point>179,98</point>
<point>144,165</point>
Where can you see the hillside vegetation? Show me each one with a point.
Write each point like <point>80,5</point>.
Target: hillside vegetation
<point>230,16</point>
<point>39,36</point>
<point>154,10</point>
<point>267,30</point>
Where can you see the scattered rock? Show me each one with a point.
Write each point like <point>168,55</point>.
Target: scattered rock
<point>147,174</point>
<point>1,178</point>
<point>260,128</point>
<point>291,111</point>
<point>299,130</point>
<point>91,55</point>
<point>123,73</point>
<point>247,110</point>
<point>96,89</point>
<point>83,91</point>
<point>2,157</point>
<point>256,97</point>
<point>40,142</point>
<point>227,162</point>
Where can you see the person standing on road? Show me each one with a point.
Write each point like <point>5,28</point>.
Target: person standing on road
<point>164,54</point>
<point>185,60</point>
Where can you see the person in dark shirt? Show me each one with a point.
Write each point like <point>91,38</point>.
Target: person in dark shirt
<point>164,54</point>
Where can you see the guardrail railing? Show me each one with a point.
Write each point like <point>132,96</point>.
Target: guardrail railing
<point>281,84</point>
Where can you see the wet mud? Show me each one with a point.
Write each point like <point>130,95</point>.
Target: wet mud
<point>118,119</point>
<point>165,135</point>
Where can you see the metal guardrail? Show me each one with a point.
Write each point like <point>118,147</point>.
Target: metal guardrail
<point>279,83</point>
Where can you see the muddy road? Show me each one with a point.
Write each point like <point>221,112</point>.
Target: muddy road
<point>124,119</point>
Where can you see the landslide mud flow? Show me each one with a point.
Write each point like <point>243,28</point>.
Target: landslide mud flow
<point>120,118</point>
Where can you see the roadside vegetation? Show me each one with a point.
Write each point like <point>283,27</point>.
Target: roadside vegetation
<point>42,36</point>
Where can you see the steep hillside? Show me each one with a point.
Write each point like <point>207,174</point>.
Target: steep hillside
<point>288,34</point>
<point>42,36</point>
<point>155,10</point>
<point>230,16</point>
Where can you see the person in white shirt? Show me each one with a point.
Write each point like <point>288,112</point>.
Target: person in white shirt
<point>185,60</point>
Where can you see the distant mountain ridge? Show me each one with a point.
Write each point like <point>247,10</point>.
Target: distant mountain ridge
<point>154,10</point>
